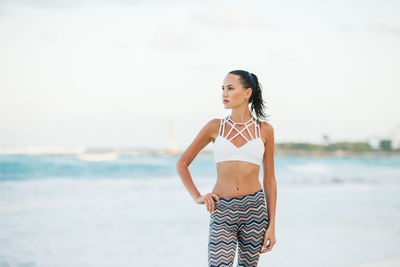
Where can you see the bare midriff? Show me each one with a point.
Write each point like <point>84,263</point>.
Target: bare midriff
<point>237,178</point>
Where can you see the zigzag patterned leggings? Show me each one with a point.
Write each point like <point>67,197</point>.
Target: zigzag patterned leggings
<point>236,220</point>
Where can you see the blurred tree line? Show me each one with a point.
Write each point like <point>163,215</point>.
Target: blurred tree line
<point>384,145</point>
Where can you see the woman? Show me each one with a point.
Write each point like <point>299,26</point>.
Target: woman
<point>238,214</point>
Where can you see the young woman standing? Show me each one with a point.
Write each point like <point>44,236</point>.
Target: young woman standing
<point>241,212</point>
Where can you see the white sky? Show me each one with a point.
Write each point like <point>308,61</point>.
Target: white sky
<point>114,73</point>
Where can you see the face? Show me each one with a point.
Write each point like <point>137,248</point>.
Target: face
<point>233,93</point>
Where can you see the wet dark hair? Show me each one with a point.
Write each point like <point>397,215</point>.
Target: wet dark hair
<point>248,80</point>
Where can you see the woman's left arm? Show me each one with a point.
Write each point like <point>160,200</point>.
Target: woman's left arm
<point>269,184</point>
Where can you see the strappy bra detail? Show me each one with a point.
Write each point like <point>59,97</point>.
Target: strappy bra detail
<point>252,151</point>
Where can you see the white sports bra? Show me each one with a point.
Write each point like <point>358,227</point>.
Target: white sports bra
<point>252,151</point>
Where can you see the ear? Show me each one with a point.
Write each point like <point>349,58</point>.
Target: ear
<point>249,91</point>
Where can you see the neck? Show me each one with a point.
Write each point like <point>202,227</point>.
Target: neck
<point>241,117</point>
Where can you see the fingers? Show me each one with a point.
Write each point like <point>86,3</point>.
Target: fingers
<point>267,246</point>
<point>209,200</point>
<point>210,204</point>
<point>271,245</point>
<point>216,197</point>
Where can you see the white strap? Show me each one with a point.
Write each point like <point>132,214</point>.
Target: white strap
<point>240,131</point>
<point>257,130</point>
<point>223,126</point>
<point>220,126</point>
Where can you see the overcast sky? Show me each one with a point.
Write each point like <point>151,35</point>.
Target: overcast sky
<point>115,73</point>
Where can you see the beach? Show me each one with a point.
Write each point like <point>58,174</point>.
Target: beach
<point>135,211</point>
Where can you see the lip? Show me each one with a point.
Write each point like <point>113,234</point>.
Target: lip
<point>226,101</point>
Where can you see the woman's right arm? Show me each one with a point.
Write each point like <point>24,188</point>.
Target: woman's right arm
<point>206,135</point>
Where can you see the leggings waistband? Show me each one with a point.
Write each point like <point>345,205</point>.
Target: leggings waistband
<point>243,199</point>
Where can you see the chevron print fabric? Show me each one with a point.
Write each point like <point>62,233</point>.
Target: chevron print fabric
<point>238,221</point>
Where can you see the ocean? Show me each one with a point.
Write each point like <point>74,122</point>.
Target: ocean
<point>134,211</point>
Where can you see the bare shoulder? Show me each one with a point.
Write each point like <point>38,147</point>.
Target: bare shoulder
<point>212,124</point>
<point>205,136</point>
<point>212,128</point>
<point>267,131</point>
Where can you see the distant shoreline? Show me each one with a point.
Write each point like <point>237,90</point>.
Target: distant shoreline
<point>336,153</point>
<point>82,151</point>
